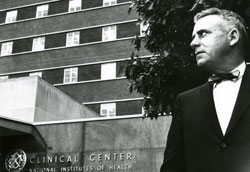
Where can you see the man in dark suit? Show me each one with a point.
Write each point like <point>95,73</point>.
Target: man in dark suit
<point>210,129</point>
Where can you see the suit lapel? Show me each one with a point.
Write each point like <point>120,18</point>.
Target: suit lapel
<point>207,104</point>
<point>241,103</point>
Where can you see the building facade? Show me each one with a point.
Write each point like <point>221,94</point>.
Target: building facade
<point>79,46</point>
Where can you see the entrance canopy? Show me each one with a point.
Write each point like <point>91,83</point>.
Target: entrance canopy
<point>14,128</point>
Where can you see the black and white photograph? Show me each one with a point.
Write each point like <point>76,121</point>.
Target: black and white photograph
<point>124,86</point>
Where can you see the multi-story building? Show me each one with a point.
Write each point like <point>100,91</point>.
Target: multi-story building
<point>79,46</point>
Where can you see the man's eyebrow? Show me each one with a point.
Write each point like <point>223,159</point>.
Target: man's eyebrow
<point>200,31</point>
<point>203,30</point>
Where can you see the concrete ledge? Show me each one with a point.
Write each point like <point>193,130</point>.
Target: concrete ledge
<point>31,99</point>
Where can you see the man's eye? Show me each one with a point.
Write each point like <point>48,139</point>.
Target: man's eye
<point>202,34</point>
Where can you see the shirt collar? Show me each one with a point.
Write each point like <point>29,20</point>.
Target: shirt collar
<point>241,68</point>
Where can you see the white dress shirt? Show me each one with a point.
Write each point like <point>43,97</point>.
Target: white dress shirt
<point>225,94</point>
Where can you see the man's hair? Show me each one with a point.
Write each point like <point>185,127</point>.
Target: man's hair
<point>232,19</point>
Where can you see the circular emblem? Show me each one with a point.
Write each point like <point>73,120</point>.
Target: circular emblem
<point>15,160</point>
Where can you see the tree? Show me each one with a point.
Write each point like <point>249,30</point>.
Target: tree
<point>172,67</point>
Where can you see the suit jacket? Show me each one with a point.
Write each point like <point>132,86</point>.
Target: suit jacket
<point>195,141</point>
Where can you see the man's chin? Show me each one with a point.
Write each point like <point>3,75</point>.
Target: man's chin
<point>201,63</point>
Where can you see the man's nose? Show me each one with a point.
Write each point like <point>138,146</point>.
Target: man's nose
<point>194,43</point>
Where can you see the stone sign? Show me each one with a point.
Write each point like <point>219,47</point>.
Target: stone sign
<point>81,162</point>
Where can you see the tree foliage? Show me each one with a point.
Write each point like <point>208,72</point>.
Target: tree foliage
<point>172,67</point>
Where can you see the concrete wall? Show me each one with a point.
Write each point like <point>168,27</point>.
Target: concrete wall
<point>144,139</point>
<point>53,104</point>
<point>115,134</point>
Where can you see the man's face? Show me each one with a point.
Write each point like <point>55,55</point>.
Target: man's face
<point>210,43</point>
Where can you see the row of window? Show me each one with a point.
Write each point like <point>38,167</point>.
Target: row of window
<point>53,8</point>
<point>104,109</point>
<point>75,74</point>
<point>118,108</point>
<point>69,39</point>
<point>108,71</point>
<point>109,110</point>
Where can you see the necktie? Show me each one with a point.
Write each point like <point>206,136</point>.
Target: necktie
<point>217,78</point>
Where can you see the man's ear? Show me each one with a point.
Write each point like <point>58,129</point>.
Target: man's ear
<point>233,36</point>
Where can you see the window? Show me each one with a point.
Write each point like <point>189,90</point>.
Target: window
<point>11,16</point>
<point>143,28</point>
<point>70,75</point>
<point>109,2</point>
<point>3,78</point>
<point>38,43</point>
<point>42,11</point>
<point>36,74</point>
<point>108,71</point>
<point>73,38</point>
<point>108,33</point>
<point>6,48</point>
<point>75,5</point>
<point>108,109</point>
